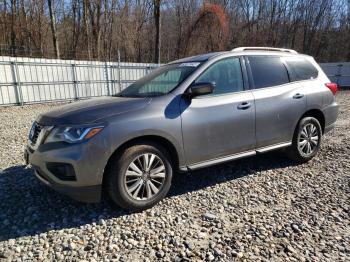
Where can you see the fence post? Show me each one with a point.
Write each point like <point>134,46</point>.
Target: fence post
<point>112,79</point>
<point>106,76</point>
<point>148,69</point>
<point>16,83</point>
<point>119,73</point>
<point>339,72</point>
<point>75,83</point>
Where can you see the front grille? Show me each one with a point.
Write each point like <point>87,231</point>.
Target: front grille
<point>34,132</point>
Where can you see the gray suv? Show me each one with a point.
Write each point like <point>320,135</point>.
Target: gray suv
<point>188,114</point>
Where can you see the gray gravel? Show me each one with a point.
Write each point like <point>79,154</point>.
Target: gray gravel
<point>263,208</point>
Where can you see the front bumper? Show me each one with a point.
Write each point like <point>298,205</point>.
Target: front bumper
<point>88,161</point>
<point>86,194</point>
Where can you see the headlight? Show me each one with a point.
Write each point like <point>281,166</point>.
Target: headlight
<point>72,134</point>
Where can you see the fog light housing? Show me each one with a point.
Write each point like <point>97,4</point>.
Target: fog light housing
<point>62,171</point>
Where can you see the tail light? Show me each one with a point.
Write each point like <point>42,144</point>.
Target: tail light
<point>333,87</point>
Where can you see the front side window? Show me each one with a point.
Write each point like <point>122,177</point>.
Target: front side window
<point>161,81</point>
<point>226,74</point>
<point>300,69</point>
<point>268,71</point>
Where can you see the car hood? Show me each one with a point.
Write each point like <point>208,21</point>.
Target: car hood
<point>91,110</point>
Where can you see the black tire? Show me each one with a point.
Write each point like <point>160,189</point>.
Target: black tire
<point>294,151</point>
<point>117,186</point>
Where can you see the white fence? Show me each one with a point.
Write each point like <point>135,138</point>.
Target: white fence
<point>338,73</point>
<point>33,80</point>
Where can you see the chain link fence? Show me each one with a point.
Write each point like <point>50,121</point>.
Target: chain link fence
<point>36,80</point>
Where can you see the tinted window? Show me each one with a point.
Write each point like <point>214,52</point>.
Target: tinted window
<point>226,74</point>
<point>300,69</point>
<point>268,71</point>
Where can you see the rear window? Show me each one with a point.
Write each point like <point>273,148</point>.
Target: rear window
<point>300,69</point>
<point>268,71</point>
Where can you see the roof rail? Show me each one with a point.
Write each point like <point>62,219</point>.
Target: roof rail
<point>253,48</point>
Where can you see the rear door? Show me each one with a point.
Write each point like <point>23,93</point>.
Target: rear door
<point>279,102</point>
<point>220,124</point>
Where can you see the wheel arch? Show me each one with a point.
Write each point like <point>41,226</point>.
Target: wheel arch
<point>292,151</point>
<point>316,113</point>
<point>166,143</point>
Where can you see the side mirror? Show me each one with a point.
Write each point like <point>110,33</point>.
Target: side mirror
<point>200,89</point>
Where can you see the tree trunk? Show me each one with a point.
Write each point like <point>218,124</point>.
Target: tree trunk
<point>156,11</point>
<point>348,30</point>
<point>53,29</point>
<point>86,26</point>
<point>75,29</point>
<point>13,33</point>
<point>95,17</point>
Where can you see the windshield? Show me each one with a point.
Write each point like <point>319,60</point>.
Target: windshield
<point>161,81</point>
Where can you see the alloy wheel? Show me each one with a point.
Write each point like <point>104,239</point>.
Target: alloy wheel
<point>145,176</point>
<point>308,139</point>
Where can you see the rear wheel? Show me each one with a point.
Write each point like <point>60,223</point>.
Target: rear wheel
<point>306,141</point>
<point>140,177</point>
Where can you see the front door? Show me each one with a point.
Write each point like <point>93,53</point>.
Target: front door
<point>221,124</point>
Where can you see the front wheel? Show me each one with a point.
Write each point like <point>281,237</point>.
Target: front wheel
<point>140,177</point>
<point>306,140</point>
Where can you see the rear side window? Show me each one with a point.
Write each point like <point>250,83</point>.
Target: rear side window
<point>300,69</point>
<point>268,71</point>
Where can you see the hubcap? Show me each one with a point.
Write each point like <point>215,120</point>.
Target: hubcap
<point>308,139</point>
<point>145,176</point>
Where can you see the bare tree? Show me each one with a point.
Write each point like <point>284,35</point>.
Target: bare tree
<point>95,18</point>
<point>53,28</point>
<point>76,26</point>
<point>160,31</point>
<point>86,27</point>
<point>13,24</point>
<point>157,23</point>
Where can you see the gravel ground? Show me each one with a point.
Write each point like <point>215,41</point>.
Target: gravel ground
<point>263,208</point>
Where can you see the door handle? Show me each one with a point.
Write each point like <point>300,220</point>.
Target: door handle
<point>298,96</point>
<point>244,105</point>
